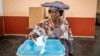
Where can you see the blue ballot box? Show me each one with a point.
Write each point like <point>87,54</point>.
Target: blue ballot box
<point>53,47</point>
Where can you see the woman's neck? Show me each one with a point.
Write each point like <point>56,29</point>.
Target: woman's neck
<point>55,19</point>
<point>55,22</point>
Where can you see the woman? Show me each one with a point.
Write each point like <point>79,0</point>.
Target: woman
<point>55,27</point>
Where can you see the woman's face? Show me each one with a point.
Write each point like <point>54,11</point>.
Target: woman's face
<point>54,14</point>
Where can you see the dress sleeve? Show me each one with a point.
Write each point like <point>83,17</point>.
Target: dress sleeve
<point>38,29</point>
<point>68,28</point>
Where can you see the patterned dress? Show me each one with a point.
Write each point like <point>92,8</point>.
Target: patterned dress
<point>62,32</point>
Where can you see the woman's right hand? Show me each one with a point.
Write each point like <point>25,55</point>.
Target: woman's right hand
<point>33,36</point>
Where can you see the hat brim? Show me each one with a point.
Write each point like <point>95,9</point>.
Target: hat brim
<point>57,4</point>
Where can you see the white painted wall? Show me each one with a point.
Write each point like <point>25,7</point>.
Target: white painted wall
<point>1,9</point>
<point>78,8</point>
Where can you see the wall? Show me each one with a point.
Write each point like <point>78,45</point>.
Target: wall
<point>98,6</point>
<point>78,8</point>
<point>81,15</point>
<point>82,26</point>
<point>1,18</point>
<point>1,25</point>
<point>1,10</point>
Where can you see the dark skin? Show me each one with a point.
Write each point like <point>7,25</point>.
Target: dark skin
<point>55,18</point>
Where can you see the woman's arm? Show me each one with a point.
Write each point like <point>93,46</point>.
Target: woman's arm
<point>38,30</point>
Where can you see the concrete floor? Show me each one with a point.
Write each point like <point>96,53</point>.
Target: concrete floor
<point>82,46</point>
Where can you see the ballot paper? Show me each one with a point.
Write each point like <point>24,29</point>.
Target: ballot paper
<point>41,41</point>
